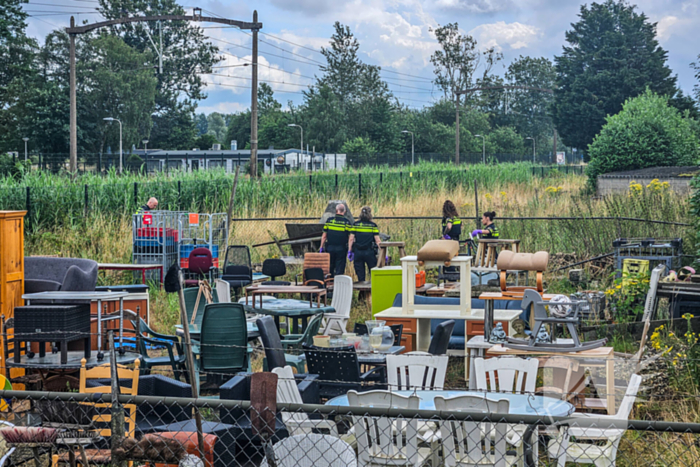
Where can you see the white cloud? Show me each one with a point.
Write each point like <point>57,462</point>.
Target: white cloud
<point>664,28</point>
<point>501,34</point>
<point>223,107</point>
<point>477,6</point>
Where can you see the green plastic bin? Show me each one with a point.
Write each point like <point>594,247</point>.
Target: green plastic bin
<point>386,283</point>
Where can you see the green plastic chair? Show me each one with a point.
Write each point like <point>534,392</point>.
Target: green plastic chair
<point>223,345</point>
<point>146,335</point>
<point>295,341</point>
<point>191,299</point>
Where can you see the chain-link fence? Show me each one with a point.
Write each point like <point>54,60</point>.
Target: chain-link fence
<point>350,407</point>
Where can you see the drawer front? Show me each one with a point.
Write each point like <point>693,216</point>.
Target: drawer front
<point>409,324</point>
<point>408,341</point>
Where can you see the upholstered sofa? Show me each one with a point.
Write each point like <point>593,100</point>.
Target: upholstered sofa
<point>46,274</point>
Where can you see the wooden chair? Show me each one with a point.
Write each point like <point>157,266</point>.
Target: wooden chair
<point>105,372</point>
<point>597,445</point>
<point>506,374</point>
<point>386,441</point>
<point>297,422</point>
<point>563,378</point>
<point>423,372</point>
<point>316,261</point>
<point>462,440</point>
<point>337,323</point>
<point>509,261</point>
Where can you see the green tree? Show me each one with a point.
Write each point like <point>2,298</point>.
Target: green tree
<point>612,55</point>
<point>216,126</point>
<point>205,142</point>
<point>202,125</point>
<point>457,62</point>
<point>16,58</point>
<point>646,133</point>
<point>360,146</point>
<point>174,129</point>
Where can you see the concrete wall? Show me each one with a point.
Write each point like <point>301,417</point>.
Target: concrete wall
<point>617,185</point>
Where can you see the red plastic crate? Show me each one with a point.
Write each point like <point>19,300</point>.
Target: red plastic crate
<point>157,232</point>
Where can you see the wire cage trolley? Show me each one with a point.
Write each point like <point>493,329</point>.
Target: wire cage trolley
<point>156,239</point>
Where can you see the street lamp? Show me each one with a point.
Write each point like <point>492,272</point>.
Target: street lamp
<point>302,139</point>
<point>145,146</point>
<point>110,119</point>
<point>483,150</point>
<point>413,162</point>
<point>25,139</point>
<point>533,148</point>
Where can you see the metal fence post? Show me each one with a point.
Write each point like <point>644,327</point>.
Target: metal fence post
<point>179,195</point>
<point>29,206</point>
<point>136,193</point>
<point>86,200</point>
<point>359,186</point>
<point>336,184</point>
<point>310,187</point>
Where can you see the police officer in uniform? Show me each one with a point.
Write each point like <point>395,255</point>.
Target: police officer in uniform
<point>149,206</point>
<point>364,242</point>
<point>451,223</point>
<point>336,233</point>
<point>490,230</point>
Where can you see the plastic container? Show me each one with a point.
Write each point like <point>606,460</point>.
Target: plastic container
<point>386,283</point>
<point>420,279</point>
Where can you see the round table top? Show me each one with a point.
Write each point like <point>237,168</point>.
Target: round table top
<point>52,361</point>
<point>520,404</point>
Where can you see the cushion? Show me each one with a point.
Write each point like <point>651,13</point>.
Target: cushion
<point>438,250</point>
<point>40,285</point>
<point>507,260</point>
<point>77,280</point>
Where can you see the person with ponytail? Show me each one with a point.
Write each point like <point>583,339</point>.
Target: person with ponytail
<point>490,231</point>
<point>451,223</point>
<point>363,244</point>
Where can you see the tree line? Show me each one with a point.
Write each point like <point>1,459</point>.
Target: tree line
<point>611,55</point>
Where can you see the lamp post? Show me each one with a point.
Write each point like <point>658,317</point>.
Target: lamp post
<point>413,162</point>
<point>145,147</point>
<point>483,149</point>
<point>533,148</point>
<point>25,139</point>
<point>302,140</point>
<point>110,119</point>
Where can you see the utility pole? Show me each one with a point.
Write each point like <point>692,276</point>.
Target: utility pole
<point>254,103</point>
<point>25,139</point>
<point>73,163</point>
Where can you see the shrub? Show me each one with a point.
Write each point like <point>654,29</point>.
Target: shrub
<point>646,133</point>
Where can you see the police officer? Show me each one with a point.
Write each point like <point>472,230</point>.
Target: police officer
<point>149,206</point>
<point>451,223</point>
<point>364,242</point>
<point>490,230</point>
<point>336,233</point>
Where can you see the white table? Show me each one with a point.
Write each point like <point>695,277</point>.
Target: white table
<point>422,318</point>
<point>99,297</point>
<point>408,266</point>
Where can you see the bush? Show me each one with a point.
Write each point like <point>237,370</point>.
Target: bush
<point>11,167</point>
<point>646,133</point>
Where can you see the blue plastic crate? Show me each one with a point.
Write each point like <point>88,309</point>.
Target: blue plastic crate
<point>185,250</point>
<point>150,241</point>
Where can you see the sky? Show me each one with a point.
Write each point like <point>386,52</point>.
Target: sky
<point>394,34</point>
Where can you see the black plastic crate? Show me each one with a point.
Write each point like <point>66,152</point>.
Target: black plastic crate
<point>52,322</point>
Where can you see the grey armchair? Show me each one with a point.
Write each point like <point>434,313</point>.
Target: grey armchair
<point>45,274</point>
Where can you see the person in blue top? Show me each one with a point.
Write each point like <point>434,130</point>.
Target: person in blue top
<point>336,233</point>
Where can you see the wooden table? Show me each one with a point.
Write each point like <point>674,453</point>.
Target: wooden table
<point>261,290</point>
<point>384,248</point>
<point>131,267</point>
<point>602,356</point>
<point>485,252</point>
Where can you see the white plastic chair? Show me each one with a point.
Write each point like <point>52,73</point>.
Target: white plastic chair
<point>297,422</point>
<point>223,291</point>
<point>312,450</point>
<point>385,441</point>
<point>406,372</point>
<point>337,323</point>
<point>462,440</point>
<point>506,374</point>
<point>601,454</point>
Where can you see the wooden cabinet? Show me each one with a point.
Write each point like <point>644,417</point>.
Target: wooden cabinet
<point>11,272</point>
<point>408,335</point>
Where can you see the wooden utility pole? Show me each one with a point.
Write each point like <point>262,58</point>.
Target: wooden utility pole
<point>254,104</point>
<point>73,163</point>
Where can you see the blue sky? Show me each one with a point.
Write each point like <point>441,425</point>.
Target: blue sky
<point>394,34</point>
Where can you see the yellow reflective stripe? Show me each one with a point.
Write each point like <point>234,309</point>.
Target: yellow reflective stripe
<point>457,221</point>
<point>364,229</point>
<point>336,228</point>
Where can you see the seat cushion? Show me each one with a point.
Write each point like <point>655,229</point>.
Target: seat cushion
<point>40,285</point>
<point>508,260</point>
<point>456,342</point>
<point>438,250</point>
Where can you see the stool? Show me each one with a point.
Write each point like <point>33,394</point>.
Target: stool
<point>384,246</point>
<point>486,251</point>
